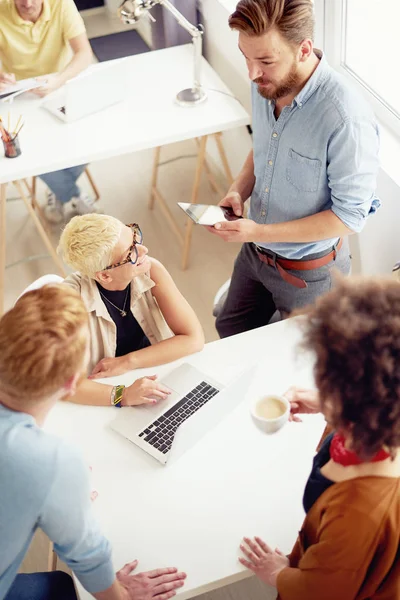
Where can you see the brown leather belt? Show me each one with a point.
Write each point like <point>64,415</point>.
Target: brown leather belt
<point>283,265</point>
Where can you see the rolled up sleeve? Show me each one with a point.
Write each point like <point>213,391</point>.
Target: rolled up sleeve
<point>68,521</point>
<point>352,170</point>
<point>335,566</point>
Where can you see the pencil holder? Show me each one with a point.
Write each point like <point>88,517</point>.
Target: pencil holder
<point>12,148</point>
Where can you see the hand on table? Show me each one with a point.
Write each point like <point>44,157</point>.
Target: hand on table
<point>51,83</point>
<point>262,560</point>
<point>109,367</point>
<point>160,583</point>
<point>302,400</point>
<point>6,79</point>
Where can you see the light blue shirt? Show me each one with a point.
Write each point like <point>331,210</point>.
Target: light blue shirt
<point>321,153</point>
<point>45,484</point>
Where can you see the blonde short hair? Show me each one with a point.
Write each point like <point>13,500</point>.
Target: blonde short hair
<point>87,242</point>
<point>43,341</point>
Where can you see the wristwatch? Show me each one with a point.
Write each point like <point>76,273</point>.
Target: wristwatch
<point>116,395</point>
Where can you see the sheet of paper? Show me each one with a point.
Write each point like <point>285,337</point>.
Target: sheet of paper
<point>21,86</point>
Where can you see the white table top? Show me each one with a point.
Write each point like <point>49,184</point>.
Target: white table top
<point>149,117</point>
<point>236,481</point>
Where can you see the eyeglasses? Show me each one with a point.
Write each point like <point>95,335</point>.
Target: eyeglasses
<point>132,252</point>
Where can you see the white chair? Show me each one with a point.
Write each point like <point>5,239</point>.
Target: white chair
<point>44,280</point>
<point>220,298</point>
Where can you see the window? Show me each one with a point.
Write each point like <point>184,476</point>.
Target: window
<point>361,39</point>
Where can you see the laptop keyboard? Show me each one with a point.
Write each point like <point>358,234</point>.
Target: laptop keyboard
<point>160,434</point>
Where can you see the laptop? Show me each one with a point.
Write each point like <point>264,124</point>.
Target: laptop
<point>97,88</point>
<point>197,404</point>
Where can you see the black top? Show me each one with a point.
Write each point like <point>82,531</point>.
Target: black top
<point>130,336</point>
<point>317,483</point>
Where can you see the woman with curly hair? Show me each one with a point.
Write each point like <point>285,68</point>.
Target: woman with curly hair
<point>349,545</point>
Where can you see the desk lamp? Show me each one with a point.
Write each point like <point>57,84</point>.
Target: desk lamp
<point>131,11</point>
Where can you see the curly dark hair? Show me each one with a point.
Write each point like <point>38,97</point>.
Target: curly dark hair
<point>354,332</point>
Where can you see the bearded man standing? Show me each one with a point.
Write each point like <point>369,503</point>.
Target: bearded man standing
<point>311,175</point>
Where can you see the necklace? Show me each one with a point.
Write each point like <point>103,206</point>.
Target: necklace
<point>122,310</point>
<point>340,454</point>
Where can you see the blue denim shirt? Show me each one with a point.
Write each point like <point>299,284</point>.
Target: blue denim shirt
<point>322,153</point>
<point>45,484</point>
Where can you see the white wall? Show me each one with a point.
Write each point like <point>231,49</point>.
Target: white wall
<point>377,248</point>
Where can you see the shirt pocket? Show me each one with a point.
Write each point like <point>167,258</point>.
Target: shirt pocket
<point>302,172</point>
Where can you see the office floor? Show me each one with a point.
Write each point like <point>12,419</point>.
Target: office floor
<point>124,183</point>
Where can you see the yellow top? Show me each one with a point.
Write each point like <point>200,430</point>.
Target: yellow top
<point>32,49</point>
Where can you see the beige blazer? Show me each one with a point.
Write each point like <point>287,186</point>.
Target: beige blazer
<point>103,331</point>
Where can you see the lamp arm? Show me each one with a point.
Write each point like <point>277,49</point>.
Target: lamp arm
<point>195,32</point>
<point>183,22</point>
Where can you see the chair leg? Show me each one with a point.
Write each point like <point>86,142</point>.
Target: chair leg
<point>195,194</point>
<point>3,191</point>
<point>92,183</point>
<point>40,228</point>
<point>154,176</point>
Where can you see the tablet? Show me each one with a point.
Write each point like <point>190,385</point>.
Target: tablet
<point>208,214</point>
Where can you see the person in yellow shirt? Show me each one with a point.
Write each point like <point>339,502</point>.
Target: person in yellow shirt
<point>47,39</point>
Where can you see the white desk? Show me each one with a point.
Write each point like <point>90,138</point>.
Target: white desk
<point>236,481</point>
<point>148,118</point>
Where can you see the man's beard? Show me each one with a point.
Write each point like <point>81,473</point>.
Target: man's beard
<point>290,83</point>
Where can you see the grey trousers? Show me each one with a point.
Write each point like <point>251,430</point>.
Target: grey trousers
<point>257,290</point>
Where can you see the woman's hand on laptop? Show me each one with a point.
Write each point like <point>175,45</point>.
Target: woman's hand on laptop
<point>160,583</point>
<point>51,83</point>
<point>302,400</point>
<point>145,390</point>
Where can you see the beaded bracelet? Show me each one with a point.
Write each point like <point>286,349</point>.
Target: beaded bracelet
<point>116,395</point>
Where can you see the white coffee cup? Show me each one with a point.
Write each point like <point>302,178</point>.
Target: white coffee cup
<point>270,412</point>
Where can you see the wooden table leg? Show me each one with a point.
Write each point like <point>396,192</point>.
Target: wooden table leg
<point>42,232</point>
<point>3,191</point>
<point>156,163</point>
<point>221,150</point>
<point>195,194</point>
<point>212,181</point>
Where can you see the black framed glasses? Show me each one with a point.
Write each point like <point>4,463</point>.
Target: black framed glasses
<point>132,251</point>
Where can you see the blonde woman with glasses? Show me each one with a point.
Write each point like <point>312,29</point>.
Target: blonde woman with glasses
<point>137,316</point>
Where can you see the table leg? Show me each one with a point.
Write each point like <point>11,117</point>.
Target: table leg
<point>212,181</point>
<point>40,229</point>
<point>3,191</point>
<point>153,190</point>
<point>195,194</point>
<point>221,150</point>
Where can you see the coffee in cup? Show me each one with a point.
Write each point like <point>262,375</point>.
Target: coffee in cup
<point>270,413</point>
